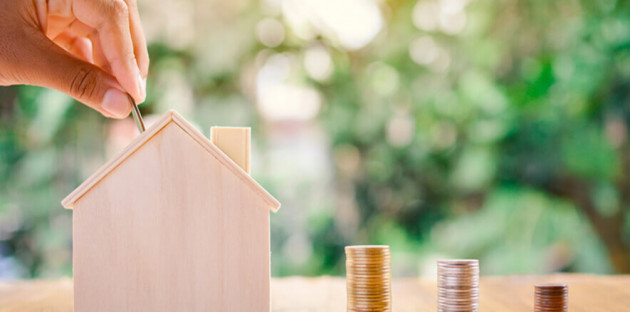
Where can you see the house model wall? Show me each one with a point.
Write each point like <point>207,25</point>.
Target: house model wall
<point>173,223</point>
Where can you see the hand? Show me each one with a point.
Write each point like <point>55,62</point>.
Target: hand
<point>93,50</point>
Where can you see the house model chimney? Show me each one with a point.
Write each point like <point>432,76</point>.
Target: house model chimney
<point>235,143</point>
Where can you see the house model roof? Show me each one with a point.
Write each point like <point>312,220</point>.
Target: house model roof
<point>170,117</point>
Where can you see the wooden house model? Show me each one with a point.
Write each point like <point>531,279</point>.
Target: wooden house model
<point>173,223</point>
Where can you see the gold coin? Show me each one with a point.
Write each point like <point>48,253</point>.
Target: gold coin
<point>368,278</point>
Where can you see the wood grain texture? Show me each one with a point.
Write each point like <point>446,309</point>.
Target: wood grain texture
<point>170,117</point>
<point>587,293</point>
<point>171,229</point>
<point>235,143</point>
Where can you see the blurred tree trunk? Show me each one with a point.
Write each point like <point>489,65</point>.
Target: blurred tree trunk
<point>609,228</point>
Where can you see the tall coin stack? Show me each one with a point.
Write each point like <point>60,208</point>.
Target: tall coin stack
<point>551,298</point>
<point>458,285</point>
<point>368,278</point>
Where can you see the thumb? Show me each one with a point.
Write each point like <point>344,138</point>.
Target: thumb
<point>50,66</point>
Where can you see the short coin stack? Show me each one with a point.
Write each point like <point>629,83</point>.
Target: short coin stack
<point>368,278</point>
<point>551,298</point>
<point>458,285</point>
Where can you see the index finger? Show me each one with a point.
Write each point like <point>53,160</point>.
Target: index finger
<point>110,19</point>
<point>139,41</point>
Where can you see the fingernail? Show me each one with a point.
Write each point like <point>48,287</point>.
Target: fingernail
<point>116,103</point>
<point>142,85</point>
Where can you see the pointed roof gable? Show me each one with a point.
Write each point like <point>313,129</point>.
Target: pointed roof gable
<point>170,117</point>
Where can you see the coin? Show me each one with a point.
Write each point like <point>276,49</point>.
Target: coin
<point>458,285</point>
<point>368,278</point>
<point>551,297</point>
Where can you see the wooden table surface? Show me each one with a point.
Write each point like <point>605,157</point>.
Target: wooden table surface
<point>587,293</point>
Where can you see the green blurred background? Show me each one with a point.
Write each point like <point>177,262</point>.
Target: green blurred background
<point>495,130</point>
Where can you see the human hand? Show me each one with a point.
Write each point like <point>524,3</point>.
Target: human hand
<point>93,50</point>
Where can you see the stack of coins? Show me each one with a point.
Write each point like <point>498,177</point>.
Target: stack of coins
<point>368,278</point>
<point>458,285</point>
<point>551,298</point>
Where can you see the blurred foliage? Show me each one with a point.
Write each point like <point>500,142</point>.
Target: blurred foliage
<point>519,148</point>
<point>495,130</point>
